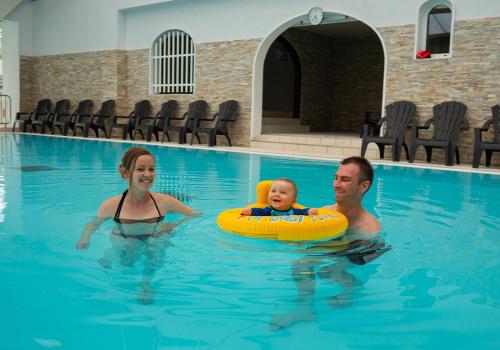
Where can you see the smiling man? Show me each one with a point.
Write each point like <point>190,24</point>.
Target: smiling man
<point>353,179</point>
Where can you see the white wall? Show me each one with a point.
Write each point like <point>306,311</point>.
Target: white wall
<point>64,26</point>
<point>10,49</point>
<point>23,15</point>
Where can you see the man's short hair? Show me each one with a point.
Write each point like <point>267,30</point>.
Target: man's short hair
<point>365,168</point>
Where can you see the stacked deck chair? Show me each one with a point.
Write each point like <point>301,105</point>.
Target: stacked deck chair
<point>227,114</point>
<point>42,110</point>
<point>142,109</point>
<point>487,146</point>
<point>77,118</point>
<point>55,119</point>
<point>448,119</point>
<point>398,116</point>
<point>196,111</point>
<point>162,121</point>
<point>98,120</point>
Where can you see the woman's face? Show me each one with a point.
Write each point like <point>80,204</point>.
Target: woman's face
<point>144,173</point>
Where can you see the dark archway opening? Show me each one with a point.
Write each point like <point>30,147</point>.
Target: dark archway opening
<point>341,67</point>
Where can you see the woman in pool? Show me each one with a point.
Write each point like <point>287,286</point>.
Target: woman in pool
<point>139,214</point>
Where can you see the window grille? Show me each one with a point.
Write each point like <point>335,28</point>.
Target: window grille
<point>172,63</point>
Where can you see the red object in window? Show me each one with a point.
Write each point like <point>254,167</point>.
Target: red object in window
<point>423,54</point>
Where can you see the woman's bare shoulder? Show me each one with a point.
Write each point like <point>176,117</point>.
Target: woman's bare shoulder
<point>109,206</point>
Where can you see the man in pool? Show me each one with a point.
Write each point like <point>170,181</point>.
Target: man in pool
<point>353,179</point>
<point>359,246</point>
<point>281,198</point>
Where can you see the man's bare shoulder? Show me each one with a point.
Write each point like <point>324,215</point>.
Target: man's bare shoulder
<point>368,223</point>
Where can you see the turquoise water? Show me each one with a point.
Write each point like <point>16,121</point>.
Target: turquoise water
<point>437,288</point>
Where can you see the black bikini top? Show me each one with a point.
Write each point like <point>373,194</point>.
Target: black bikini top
<point>133,221</point>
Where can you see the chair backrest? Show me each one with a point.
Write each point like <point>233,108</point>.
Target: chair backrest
<point>398,116</point>
<point>166,114</point>
<point>107,110</point>
<point>61,107</point>
<point>43,106</point>
<point>495,111</point>
<point>449,118</point>
<point>142,109</point>
<point>196,110</point>
<point>227,113</point>
<point>84,107</point>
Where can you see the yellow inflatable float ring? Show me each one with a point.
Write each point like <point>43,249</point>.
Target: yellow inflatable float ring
<point>328,224</point>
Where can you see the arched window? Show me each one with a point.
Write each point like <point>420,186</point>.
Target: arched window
<point>172,63</point>
<point>434,31</point>
<point>438,30</point>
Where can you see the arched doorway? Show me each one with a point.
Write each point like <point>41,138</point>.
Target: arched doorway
<point>282,81</point>
<point>342,66</point>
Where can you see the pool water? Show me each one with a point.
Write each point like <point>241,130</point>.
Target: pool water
<point>437,288</point>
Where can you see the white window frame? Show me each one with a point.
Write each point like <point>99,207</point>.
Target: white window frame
<point>422,23</point>
<point>172,63</point>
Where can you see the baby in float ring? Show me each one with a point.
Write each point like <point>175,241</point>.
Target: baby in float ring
<point>281,198</point>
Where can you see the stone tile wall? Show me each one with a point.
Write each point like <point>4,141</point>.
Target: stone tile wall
<point>224,71</point>
<point>341,78</point>
<point>471,75</point>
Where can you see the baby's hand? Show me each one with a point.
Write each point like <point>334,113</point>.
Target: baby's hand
<point>312,211</point>
<point>246,211</point>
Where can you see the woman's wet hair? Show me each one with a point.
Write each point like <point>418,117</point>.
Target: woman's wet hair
<point>129,159</point>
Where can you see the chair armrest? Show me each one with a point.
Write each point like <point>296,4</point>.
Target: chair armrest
<point>181,118</point>
<point>427,124</point>
<point>486,125</point>
<point>18,114</point>
<point>57,115</point>
<point>209,119</point>
<point>381,121</point>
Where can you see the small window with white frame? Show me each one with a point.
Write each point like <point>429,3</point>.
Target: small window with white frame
<point>172,63</point>
<point>435,29</point>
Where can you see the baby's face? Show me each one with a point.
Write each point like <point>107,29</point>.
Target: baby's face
<point>281,195</point>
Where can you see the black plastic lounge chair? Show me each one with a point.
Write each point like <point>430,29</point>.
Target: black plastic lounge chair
<point>142,121</point>
<point>162,121</point>
<point>142,109</point>
<point>98,120</point>
<point>488,147</point>
<point>448,119</point>
<point>41,110</point>
<point>55,119</point>
<point>196,111</point>
<point>77,118</point>
<point>372,122</point>
<point>225,115</point>
<point>398,116</point>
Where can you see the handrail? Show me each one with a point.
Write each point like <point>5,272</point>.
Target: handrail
<point>5,109</point>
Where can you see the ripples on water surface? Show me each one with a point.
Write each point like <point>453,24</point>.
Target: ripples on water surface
<point>436,288</point>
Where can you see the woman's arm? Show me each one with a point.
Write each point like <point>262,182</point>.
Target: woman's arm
<point>172,205</point>
<point>103,214</point>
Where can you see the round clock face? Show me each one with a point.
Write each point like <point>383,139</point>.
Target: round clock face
<point>315,15</point>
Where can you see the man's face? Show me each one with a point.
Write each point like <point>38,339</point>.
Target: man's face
<point>346,184</point>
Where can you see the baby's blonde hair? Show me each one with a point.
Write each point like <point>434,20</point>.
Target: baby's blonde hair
<point>294,186</point>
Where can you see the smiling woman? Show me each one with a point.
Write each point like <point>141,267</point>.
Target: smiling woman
<point>139,214</point>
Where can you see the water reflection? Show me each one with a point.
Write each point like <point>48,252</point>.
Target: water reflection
<point>333,262</point>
